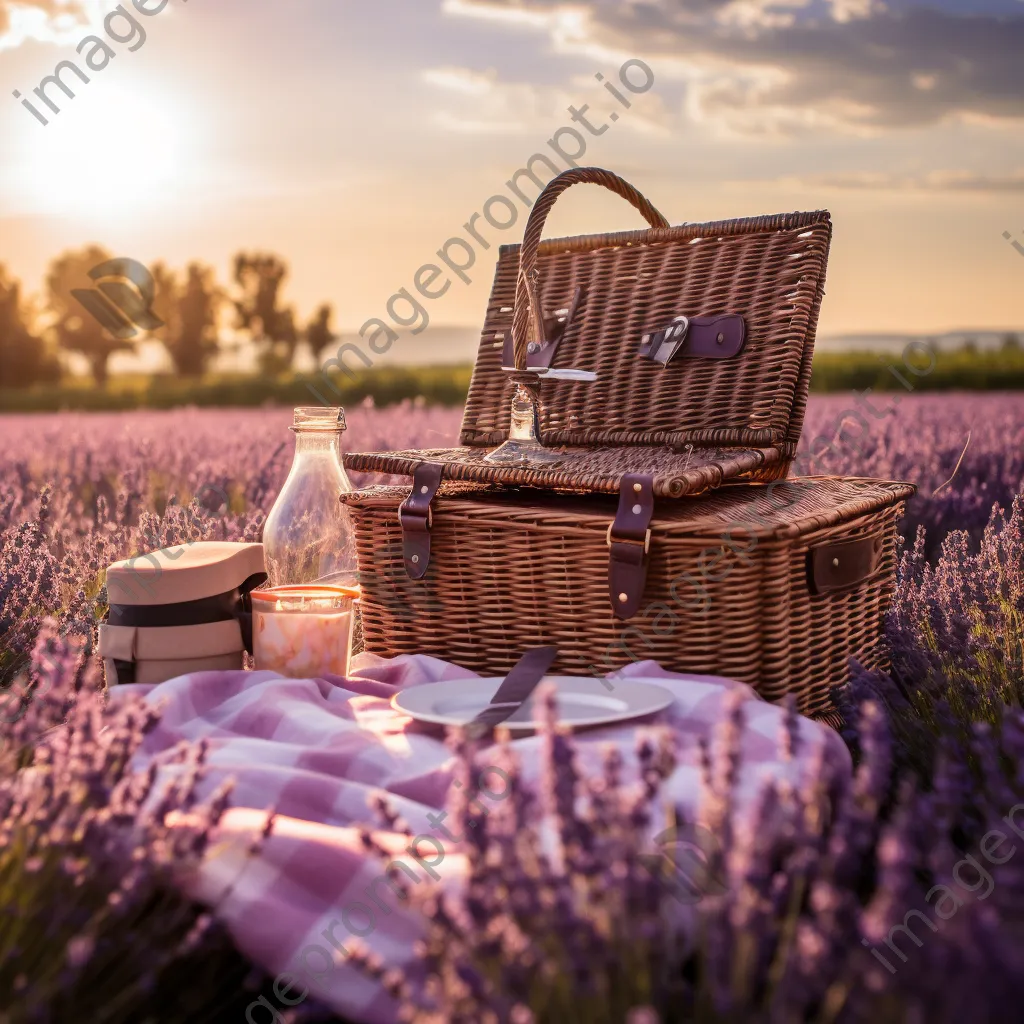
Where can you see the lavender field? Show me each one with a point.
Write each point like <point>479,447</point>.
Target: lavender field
<point>826,880</point>
<point>80,490</point>
<point>110,485</point>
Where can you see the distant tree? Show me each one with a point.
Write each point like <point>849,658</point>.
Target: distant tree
<point>74,328</point>
<point>319,335</point>
<point>1011,343</point>
<point>190,310</point>
<point>259,308</point>
<point>24,357</point>
<point>165,305</point>
<point>971,346</point>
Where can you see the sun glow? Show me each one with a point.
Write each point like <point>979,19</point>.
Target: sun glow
<point>105,156</point>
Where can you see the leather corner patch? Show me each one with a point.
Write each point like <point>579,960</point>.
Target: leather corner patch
<point>833,567</point>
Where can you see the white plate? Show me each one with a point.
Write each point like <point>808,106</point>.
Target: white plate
<point>581,701</point>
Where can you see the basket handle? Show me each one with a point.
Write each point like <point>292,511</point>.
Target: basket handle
<point>527,306</point>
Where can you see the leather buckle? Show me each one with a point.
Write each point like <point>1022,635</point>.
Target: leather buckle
<point>627,553</point>
<point>416,517</point>
<point>662,345</point>
<point>703,337</point>
<point>406,515</point>
<point>627,540</point>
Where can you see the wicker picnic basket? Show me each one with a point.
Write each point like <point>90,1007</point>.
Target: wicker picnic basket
<point>742,582</point>
<point>701,338</point>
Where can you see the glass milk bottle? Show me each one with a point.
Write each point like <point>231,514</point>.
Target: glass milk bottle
<point>308,536</point>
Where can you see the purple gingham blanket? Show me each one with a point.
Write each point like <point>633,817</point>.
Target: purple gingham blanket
<point>318,751</point>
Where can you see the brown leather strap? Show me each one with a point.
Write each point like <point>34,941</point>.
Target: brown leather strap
<point>539,354</point>
<point>844,564</point>
<point>416,518</point>
<point>629,539</point>
<point>704,337</point>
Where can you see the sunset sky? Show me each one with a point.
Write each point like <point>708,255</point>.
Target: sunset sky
<point>355,138</point>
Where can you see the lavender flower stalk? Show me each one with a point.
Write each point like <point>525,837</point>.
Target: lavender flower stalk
<point>93,924</point>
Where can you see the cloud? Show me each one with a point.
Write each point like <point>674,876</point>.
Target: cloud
<point>476,102</point>
<point>760,66</point>
<point>479,103</point>
<point>48,20</point>
<point>847,10</point>
<point>933,181</point>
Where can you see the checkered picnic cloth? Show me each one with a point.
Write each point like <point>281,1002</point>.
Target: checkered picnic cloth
<point>318,751</point>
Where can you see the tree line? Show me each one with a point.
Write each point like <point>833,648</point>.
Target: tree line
<point>192,305</point>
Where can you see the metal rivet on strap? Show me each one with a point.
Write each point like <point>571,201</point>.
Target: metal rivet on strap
<point>415,559</point>
<point>623,598</point>
<point>637,510</point>
<point>638,488</point>
<point>720,339</point>
<point>533,347</point>
<point>835,562</point>
<point>424,489</point>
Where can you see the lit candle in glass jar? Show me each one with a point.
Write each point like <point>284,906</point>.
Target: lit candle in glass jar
<point>303,631</point>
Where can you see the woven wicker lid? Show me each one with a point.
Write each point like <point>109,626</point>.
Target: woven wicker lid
<point>707,416</point>
<point>587,469</point>
<point>768,270</point>
<point>779,510</point>
<point>190,572</point>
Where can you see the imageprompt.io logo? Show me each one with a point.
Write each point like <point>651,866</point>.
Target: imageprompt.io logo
<point>122,301</point>
<point>685,863</point>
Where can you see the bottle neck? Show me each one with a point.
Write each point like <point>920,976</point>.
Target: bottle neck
<point>318,442</point>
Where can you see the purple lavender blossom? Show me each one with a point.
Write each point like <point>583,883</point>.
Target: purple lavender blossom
<point>93,926</point>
